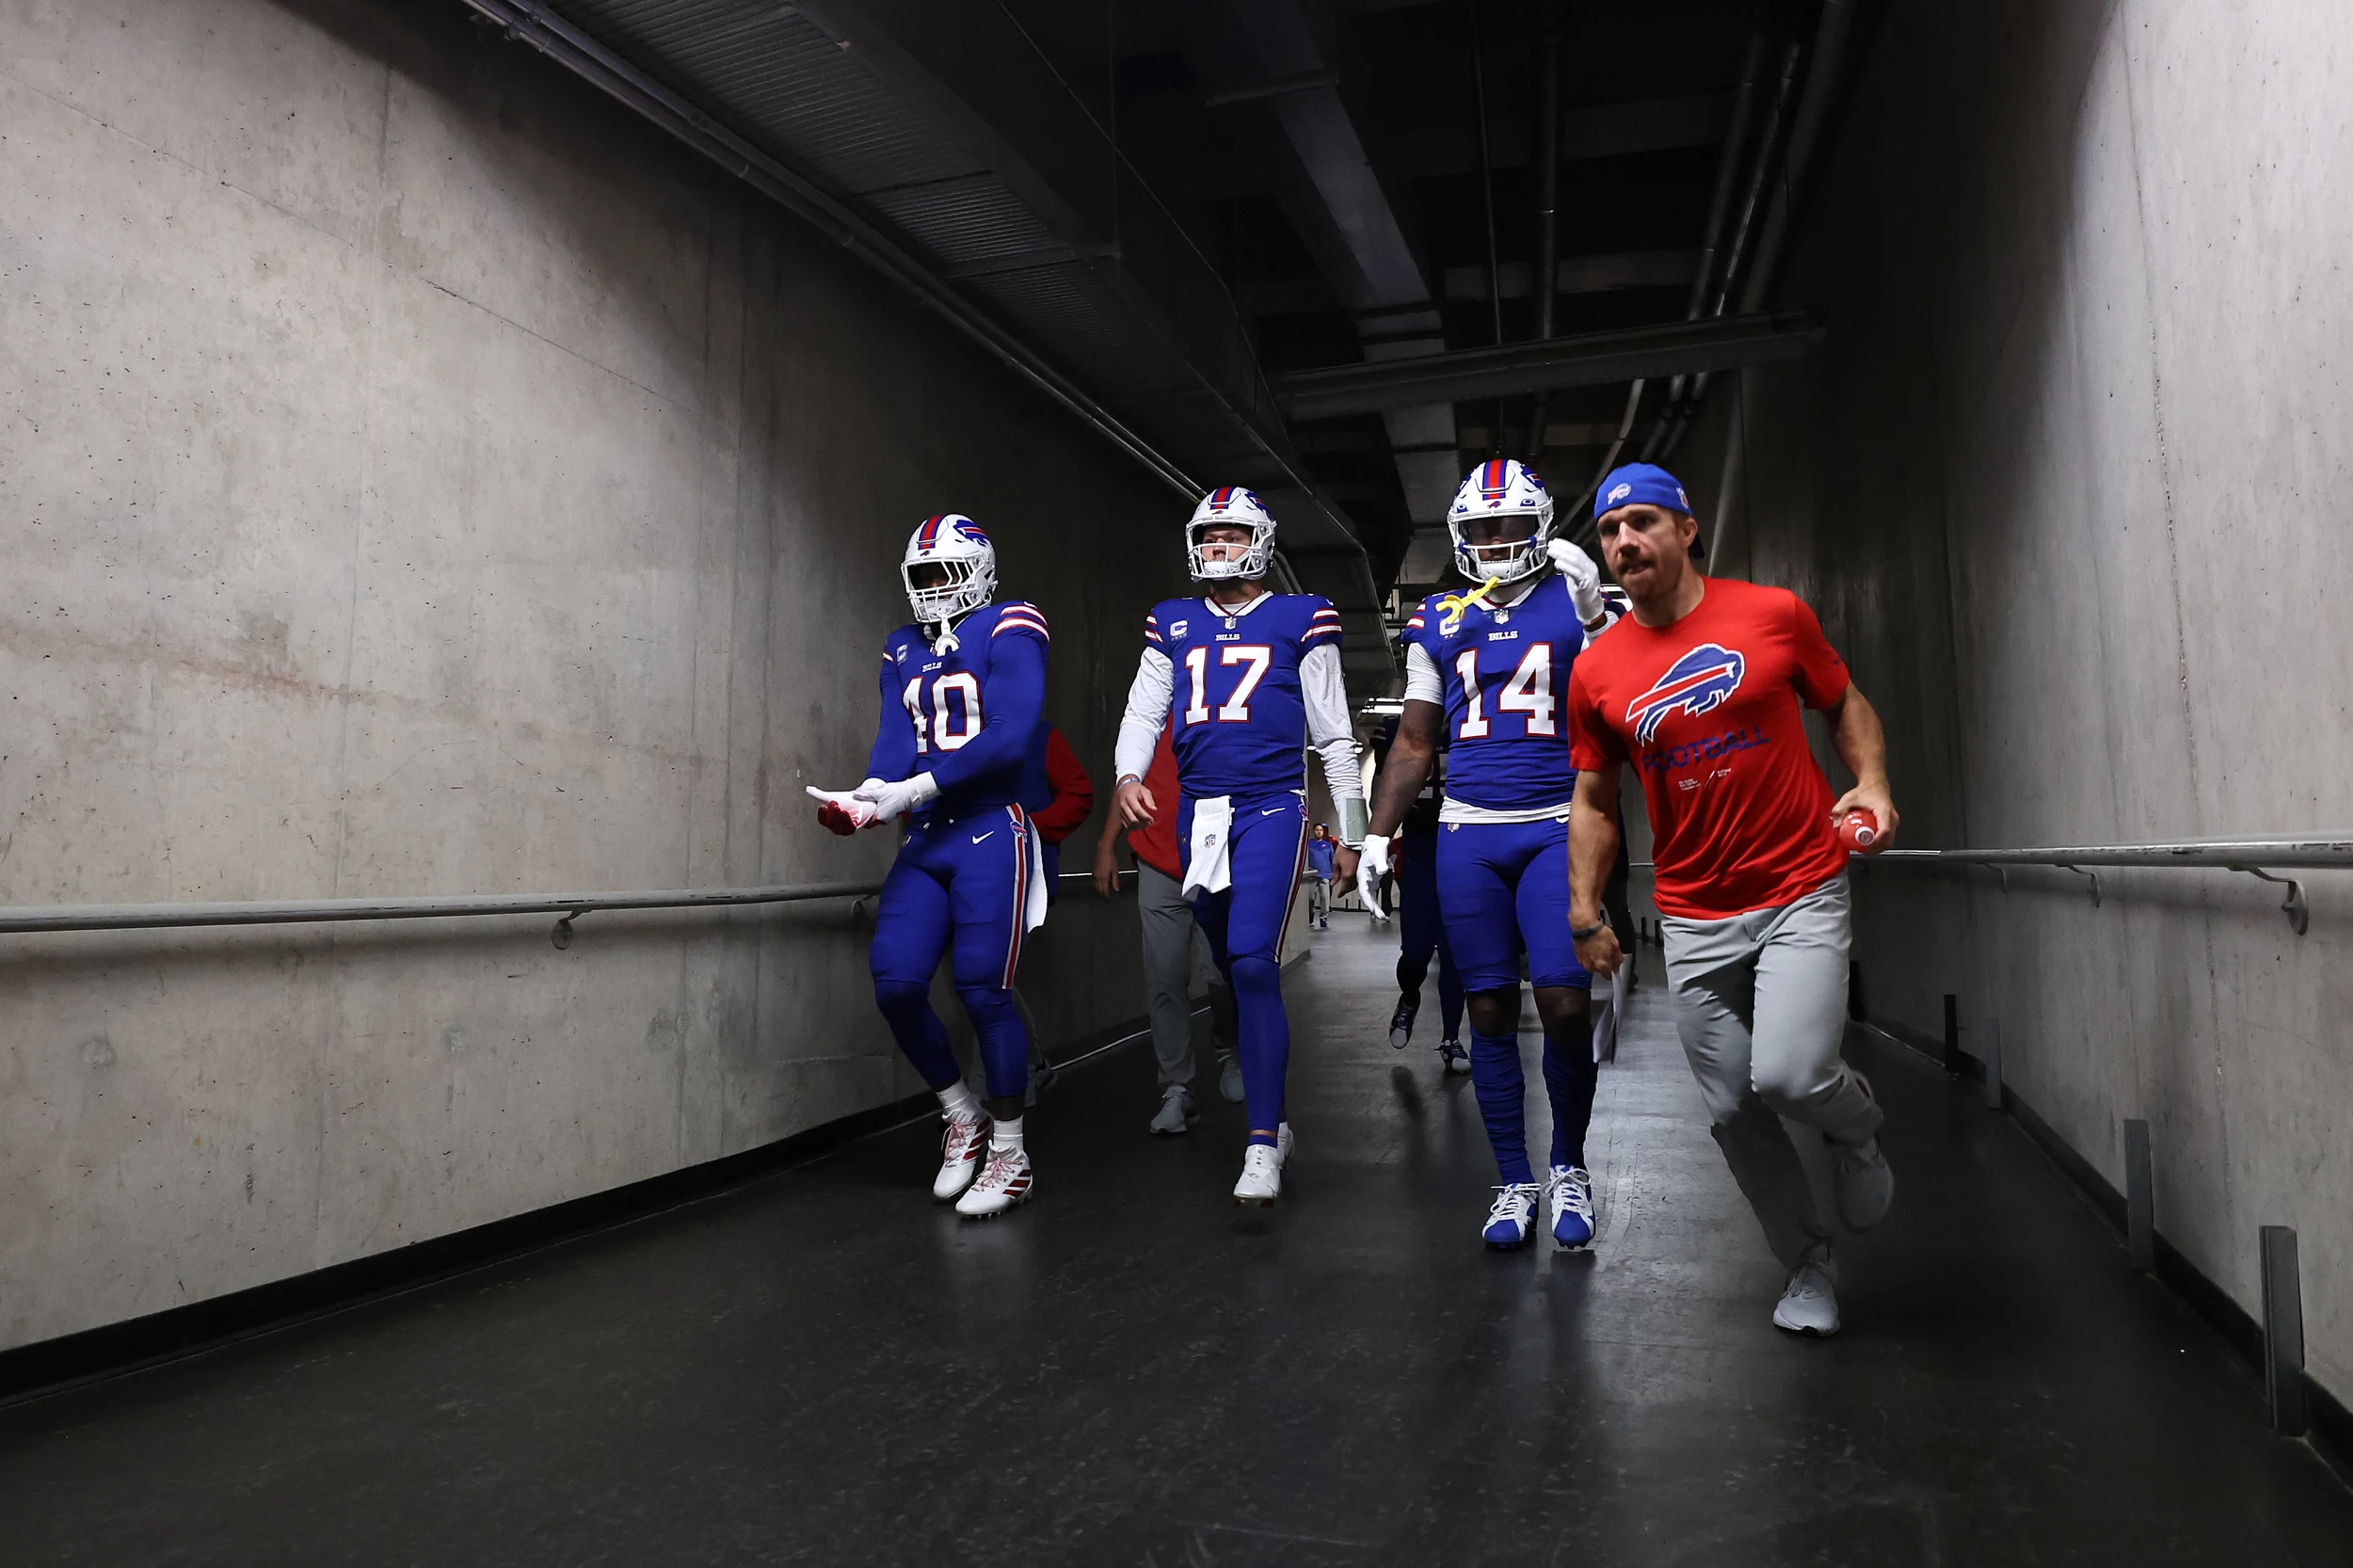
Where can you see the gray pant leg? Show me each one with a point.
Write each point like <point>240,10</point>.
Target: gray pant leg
<point>1800,1018</point>
<point>1711,970</point>
<point>1318,899</point>
<point>1168,936</point>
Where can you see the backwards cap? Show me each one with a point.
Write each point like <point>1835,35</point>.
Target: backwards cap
<point>1645,485</point>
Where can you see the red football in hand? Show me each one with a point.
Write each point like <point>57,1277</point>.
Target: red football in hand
<point>1859,830</point>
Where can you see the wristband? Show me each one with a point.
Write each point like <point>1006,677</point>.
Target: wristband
<point>1578,934</point>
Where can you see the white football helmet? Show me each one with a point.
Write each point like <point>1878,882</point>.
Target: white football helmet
<point>1501,488</point>
<point>955,542</point>
<point>1232,506</point>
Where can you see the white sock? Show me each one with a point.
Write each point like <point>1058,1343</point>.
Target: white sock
<point>960,1102</point>
<point>1006,1136</point>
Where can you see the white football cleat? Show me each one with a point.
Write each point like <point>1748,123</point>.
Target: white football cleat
<point>1569,1193</point>
<point>1261,1177</point>
<point>1512,1219</point>
<point>960,1149</point>
<point>1002,1183</point>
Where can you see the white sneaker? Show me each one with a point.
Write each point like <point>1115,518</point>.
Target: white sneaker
<point>1229,1087</point>
<point>1569,1193</point>
<point>1176,1113</point>
<point>960,1150</point>
<point>1512,1219</point>
<point>1863,1185</point>
<point>1004,1182</point>
<point>1261,1177</point>
<point>1810,1304</point>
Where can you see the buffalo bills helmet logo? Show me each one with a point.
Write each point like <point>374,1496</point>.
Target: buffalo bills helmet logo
<point>1699,681</point>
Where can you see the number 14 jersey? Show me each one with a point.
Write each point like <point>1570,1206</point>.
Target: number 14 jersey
<point>1504,672</point>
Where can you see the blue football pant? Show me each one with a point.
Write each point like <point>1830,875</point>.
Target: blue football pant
<point>1503,888</point>
<point>1245,926</point>
<point>963,885</point>
<point>1420,931</point>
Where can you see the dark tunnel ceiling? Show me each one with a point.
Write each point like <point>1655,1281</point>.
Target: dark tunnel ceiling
<point>1174,204</point>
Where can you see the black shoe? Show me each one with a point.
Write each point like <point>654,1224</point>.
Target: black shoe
<point>1401,1021</point>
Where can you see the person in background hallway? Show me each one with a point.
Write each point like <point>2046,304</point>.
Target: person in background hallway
<point>1168,940</point>
<point>1319,878</point>
<point>961,694</point>
<point>1487,680</point>
<point>1700,689</point>
<point>1252,678</point>
<point>1059,796</point>
<point>1413,874</point>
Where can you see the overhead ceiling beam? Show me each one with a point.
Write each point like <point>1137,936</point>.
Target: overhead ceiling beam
<point>1588,360</point>
<point>1608,131</point>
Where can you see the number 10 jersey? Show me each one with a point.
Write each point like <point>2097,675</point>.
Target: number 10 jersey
<point>1504,670</point>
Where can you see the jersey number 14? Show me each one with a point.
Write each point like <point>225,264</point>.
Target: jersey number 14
<point>1528,692</point>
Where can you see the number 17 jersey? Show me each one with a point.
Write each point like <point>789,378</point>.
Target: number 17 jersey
<point>1240,709</point>
<point>1505,672</point>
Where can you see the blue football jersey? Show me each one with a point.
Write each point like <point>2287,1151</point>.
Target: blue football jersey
<point>1242,723</point>
<point>1506,676</point>
<point>967,717</point>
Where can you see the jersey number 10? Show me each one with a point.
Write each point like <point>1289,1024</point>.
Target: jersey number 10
<point>1528,692</point>
<point>959,684</point>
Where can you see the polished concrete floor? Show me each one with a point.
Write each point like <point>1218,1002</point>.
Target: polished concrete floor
<point>822,1367</point>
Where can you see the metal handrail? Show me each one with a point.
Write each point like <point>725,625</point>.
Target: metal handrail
<point>22,918</point>
<point>2256,858</point>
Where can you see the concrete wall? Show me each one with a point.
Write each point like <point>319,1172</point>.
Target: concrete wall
<point>416,476</point>
<point>2065,483</point>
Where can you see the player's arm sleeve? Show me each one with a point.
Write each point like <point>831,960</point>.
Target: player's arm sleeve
<point>1423,681</point>
<point>893,755</point>
<point>1074,791</point>
<point>1017,698</point>
<point>1594,745</point>
<point>1820,674</point>
<point>1149,697</point>
<point>1324,690</point>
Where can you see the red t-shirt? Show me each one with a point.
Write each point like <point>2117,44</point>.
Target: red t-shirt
<point>1156,845</point>
<point>1706,710</point>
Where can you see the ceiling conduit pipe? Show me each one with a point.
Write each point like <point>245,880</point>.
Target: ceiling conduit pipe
<point>1752,199</point>
<point>1805,136</point>
<point>1487,201</point>
<point>1719,200</point>
<point>1547,202</point>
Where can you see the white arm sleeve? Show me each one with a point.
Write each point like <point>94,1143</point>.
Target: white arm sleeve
<point>1423,683</point>
<point>1324,690</point>
<point>1147,714</point>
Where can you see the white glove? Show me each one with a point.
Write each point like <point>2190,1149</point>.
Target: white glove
<point>1584,579</point>
<point>896,800</point>
<point>1371,868</point>
<point>840,813</point>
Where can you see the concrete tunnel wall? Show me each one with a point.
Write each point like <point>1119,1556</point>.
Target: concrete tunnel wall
<point>2064,483</point>
<point>418,476</point>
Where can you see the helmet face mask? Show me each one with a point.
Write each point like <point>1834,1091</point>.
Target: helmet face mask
<point>1229,507</point>
<point>956,565</point>
<point>1501,521</point>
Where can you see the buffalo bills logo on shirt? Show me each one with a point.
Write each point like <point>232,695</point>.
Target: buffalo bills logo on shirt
<point>1701,679</point>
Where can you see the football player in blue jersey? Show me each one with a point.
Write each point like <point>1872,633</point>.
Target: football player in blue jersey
<point>962,692</point>
<point>1252,678</point>
<point>1487,679</point>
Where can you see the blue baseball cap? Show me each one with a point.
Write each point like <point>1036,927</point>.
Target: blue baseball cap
<point>1643,485</point>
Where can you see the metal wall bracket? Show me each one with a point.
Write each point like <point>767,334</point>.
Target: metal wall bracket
<point>2092,876</point>
<point>2294,906</point>
<point>562,935</point>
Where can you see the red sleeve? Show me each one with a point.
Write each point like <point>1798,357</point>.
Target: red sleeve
<point>1820,674</point>
<point>1593,746</point>
<point>1074,791</point>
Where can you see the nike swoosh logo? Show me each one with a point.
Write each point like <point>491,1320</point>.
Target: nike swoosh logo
<point>990,834</point>
<point>1275,811</point>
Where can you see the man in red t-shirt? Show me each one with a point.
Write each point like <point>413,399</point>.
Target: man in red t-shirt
<point>1699,691</point>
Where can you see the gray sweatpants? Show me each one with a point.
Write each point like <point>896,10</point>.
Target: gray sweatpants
<point>1761,1005</point>
<point>1169,941</point>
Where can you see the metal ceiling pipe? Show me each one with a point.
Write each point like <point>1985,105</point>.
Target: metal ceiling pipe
<point>1752,202</point>
<point>1805,135</point>
<point>1487,201</point>
<point>1727,172</point>
<point>1547,213</point>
